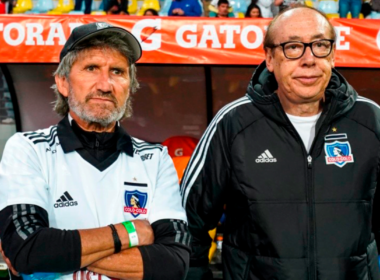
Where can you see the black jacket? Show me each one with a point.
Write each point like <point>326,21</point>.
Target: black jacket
<point>289,214</point>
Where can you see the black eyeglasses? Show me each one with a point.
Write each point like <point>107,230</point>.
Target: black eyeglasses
<point>296,49</point>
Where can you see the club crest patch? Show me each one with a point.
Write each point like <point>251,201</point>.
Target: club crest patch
<point>135,202</point>
<point>338,153</point>
<point>101,25</point>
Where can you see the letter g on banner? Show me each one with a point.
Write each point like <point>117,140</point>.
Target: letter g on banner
<point>154,42</point>
<point>178,152</point>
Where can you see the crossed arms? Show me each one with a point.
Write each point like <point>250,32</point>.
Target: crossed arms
<point>32,246</point>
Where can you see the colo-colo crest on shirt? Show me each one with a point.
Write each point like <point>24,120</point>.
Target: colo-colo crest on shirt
<point>338,153</point>
<point>135,202</point>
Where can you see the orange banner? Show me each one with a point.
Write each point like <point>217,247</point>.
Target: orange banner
<point>39,39</point>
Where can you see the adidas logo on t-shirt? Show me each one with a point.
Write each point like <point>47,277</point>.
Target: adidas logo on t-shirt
<point>65,201</point>
<point>266,157</point>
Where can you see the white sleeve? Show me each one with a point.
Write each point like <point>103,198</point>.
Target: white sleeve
<point>166,202</point>
<point>21,179</point>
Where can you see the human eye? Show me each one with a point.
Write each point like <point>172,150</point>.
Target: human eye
<point>90,68</point>
<point>117,71</point>
<point>323,44</point>
<point>293,46</point>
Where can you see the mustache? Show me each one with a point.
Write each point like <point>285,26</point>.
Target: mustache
<point>103,94</point>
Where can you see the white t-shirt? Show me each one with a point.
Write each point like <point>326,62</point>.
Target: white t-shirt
<point>36,170</point>
<point>305,127</point>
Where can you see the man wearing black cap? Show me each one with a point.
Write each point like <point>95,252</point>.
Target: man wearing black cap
<point>66,191</point>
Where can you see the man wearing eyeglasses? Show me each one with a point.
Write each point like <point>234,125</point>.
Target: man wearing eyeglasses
<point>304,211</point>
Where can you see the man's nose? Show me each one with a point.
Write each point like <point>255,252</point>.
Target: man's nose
<point>104,83</point>
<point>308,57</point>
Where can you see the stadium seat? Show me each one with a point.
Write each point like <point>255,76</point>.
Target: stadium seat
<point>309,3</point>
<point>53,12</point>
<point>64,6</point>
<point>330,16</point>
<point>375,15</point>
<point>212,250</point>
<point>180,164</point>
<point>132,7</point>
<point>179,146</point>
<point>97,8</point>
<point>148,4</point>
<point>43,6</point>
<point>361,16</point>
<point>98,13</point>
<point>22,6</point>
<point>165,8</point>
<point>239,7</point>
<point>328,7</point>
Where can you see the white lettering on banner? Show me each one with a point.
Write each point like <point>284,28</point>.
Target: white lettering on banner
<point>209,33</point>
<point>340,38</point>
<point>229,30</point>
<point>33,34</point>
<point>259,37</point>
<point>378,39</point>
<point>154,38</point>
<point>56,31</point>
<point>20,34</point>
<point>192,38</point>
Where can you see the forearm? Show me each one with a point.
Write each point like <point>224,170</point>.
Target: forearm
<point>127,264</point>
<point>167,258</point>
<point>32,246</point>
<point>98,243</point>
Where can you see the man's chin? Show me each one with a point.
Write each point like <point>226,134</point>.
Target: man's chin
<point>309,94</point>
<point>101,119</point>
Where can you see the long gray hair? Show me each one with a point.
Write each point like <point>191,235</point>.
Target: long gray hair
<point>104,41</point>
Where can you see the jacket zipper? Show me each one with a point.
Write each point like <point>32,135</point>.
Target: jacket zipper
<point>312,252</point>
<point>310,199</point>
<point>312,246</point>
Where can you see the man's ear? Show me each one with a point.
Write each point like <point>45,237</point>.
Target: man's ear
<point>62,85</point>
<point>333,57</point>
<point>269,59</point>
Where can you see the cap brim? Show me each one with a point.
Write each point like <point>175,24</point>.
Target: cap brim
<point>125,35</point>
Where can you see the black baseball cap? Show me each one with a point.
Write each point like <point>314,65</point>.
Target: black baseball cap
<point>89,30</point>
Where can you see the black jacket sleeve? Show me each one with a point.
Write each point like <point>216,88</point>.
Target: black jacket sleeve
<point>32,246</point>
<point>203,193</point>
<point>376,214</point>
<point>168,257</point>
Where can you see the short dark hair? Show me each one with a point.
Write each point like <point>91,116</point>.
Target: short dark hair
<point>153,11</point>
<point>268,40</point>
<point>220,2</point>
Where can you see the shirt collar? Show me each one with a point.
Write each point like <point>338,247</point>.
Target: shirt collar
<point>70,142</point>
